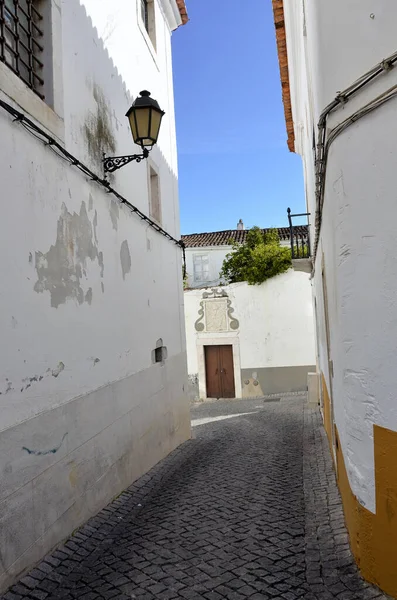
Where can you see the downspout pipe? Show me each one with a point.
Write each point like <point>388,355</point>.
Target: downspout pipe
<point>322,145</point>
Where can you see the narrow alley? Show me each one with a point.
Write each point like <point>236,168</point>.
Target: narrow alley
<point>247,509</point>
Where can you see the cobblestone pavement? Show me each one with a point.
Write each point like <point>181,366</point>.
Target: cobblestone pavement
<point>248,509</point>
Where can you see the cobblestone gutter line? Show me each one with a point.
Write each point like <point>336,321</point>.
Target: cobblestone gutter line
<point>331,570</point>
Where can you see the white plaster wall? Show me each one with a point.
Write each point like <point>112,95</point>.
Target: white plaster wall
<point>119,23</point>
<point>276,326</point>
<point>357,235</point>
<point>89,291</point>
<point>216,256</point>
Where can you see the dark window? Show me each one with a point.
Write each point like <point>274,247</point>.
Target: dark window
<point>145,14</point>
<point>21,41</point>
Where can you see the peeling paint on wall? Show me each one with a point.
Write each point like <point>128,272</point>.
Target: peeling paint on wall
<point>60,269</point>
<point>125,258</point>
<point>58,370</point>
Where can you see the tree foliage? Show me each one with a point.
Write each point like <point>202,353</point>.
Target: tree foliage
<point>259,259</point>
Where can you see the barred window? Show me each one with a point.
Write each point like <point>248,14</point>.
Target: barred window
<point>21,39</point>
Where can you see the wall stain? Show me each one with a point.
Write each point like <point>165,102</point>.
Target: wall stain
<point>88,296</point>
<point>102,287</point>
<point>73,476</point>
<point>45,452</point>
<point>60,270</point>
<point>98,128</point>
<point>90,202</point>
<point>125,258</point>
<point>100,262</point>
<point>95,225</point>
<point>114,212</point>
<point>30,380</point>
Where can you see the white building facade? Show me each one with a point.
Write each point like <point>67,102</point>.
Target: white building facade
<point>93,377</point>
<point>337,63</point>
<point>245,341</point>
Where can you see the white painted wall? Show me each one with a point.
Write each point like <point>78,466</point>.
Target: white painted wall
<point>216,256</point>
<point>276,326</point>
<point>358,231</point>
<point>88,290</point>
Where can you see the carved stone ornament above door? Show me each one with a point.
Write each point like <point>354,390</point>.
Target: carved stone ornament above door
<point>216,313</point>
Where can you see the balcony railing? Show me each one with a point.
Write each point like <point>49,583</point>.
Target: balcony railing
<point>299,237</point>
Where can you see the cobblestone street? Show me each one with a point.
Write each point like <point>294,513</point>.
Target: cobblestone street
<point>248,509</point>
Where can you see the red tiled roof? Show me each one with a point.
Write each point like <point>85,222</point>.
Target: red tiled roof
<point>278,10</point>
<point>182,9</point>
<point>222,238</point>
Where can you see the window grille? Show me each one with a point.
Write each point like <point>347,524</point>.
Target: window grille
<point>21,41</point>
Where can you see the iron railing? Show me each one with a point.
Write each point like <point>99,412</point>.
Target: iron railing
<point>21,37</point>
<point>299,237</point>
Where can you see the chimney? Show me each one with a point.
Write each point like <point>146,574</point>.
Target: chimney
<point>240,225</point>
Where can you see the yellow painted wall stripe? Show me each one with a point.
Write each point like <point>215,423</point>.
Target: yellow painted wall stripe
<point>373,537</point>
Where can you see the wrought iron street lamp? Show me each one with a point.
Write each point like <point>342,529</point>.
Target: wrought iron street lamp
<point>145,117</point>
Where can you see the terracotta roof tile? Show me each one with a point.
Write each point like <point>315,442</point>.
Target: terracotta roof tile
<point>278,10</point>
<point>222,238</point>
<point>182,9</point>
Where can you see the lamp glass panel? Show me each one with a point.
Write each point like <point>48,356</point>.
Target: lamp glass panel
<point>155,124</point>
<point>142,116</point>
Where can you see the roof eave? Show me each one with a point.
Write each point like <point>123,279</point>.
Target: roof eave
<point>175,12</point>
<point>279,22</point>
<point>182,11</point>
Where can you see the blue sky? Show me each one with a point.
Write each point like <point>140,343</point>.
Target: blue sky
<point>233,157</point>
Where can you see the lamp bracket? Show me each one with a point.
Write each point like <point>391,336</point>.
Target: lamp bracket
<point>112,163</point>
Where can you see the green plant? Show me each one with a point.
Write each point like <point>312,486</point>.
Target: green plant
<point>258,259</point>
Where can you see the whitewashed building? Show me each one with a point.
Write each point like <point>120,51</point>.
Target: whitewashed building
<point>339,82</point>
<point>245,341</point>
<point>92,355</point>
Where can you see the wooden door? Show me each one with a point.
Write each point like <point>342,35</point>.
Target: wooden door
<point>219,371</point>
